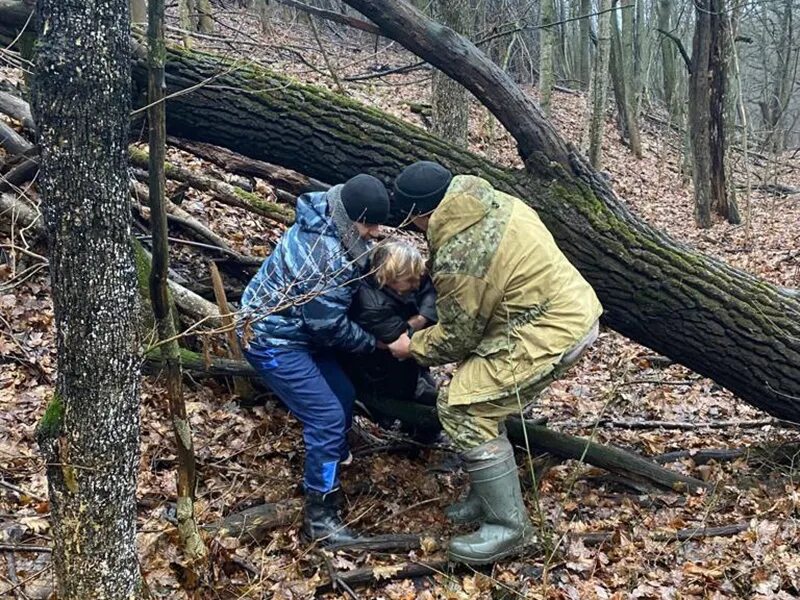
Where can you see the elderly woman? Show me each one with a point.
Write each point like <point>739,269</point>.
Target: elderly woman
<point>295,315</point>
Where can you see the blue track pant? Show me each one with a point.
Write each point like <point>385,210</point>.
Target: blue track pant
<point>316,390</point>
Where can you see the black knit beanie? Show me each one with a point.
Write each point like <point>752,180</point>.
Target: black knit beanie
<point>420,187</point>
<point>365,199</point>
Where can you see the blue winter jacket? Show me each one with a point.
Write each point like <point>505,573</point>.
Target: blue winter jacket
<point>301,294</point>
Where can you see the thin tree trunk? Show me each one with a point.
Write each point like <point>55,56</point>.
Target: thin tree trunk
<point>629,77</point>
<point>669,64</point>
<point>585,44</point>
<point>699,121</point>
<point>159,296</point>
<point>546,58</point>
<point>450,100</point>
<point>599,87</point>
<point>89,435</point>
<point>187,21</point>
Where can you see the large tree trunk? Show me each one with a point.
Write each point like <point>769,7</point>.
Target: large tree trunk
<point>90,432</point>
<point>717,320</point>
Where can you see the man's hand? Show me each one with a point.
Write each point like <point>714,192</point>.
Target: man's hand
<point>401,347</point>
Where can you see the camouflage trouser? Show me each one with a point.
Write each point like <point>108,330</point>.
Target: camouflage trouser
<point>470,425</point>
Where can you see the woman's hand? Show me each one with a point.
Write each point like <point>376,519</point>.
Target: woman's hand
<point>380,345</point>
<point>401,347</point>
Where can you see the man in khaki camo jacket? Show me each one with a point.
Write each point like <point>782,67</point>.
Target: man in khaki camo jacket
<point>513,313</point>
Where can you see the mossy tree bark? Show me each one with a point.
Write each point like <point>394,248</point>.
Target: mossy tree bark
<point>90,432</point>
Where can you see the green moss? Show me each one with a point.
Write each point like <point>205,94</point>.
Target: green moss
<point>275,210</point>
<point>50,424</point>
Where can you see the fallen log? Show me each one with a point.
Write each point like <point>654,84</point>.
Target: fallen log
<point>24,170</point>
<point>221,191</point>
<point>383,574</point>
<point>178,216</point>
<point>17,214</point>
<point>255,523</point>
<point>279,177</point>
<point>681,535</point>
<point>520,432</point>
<point>655,290</point>
<point>11,141</point>
<point>17,109</point>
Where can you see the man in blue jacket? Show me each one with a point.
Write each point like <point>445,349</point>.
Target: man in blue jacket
<point>294,314</point>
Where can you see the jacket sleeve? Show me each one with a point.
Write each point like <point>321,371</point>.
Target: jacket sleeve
<point>464,306</point>
<point>378,316</point>
<point>426,300</point>
<point>325,315</point>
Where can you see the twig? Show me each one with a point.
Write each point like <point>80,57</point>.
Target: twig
<point>25,548</point>
<point>326,58</point>
<point>700,456</point>
<point>678,424</point>
<point>681,535</point>
<point>19,490</point>
<point>27,579</point>
<point>402,571</point>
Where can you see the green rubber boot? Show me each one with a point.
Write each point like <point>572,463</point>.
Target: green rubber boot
<point>506,527</point>
<point>467,510</point>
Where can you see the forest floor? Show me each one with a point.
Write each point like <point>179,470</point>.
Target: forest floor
<point>620,393</point>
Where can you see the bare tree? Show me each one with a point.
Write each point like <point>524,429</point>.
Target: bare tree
<point>90,432</point>
<point>599,85</point>
<point>450,99</point>
<point>546,53</point>
<point>170,352</point>
<point>707,87</point>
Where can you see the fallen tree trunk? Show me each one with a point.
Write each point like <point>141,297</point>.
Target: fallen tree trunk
<point>522,433</point>
<point>221,191</point>
<point>721,322</point>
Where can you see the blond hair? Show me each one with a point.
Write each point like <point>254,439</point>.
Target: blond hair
<point>397,261</point>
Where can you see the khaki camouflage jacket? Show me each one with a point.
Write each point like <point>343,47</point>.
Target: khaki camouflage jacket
<point>510,304</point>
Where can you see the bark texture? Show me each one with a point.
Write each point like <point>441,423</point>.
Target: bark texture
<point>450,100</point>
<point>90,432</point>
<point>599,86</point>
<point>707,85</point>
<point>655,290</point>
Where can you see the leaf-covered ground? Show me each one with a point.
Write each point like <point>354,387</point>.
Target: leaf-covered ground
<point>620,393</point>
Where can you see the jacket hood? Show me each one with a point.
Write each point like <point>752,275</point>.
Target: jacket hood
<point>311,214</point>
<point>467,202</point>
